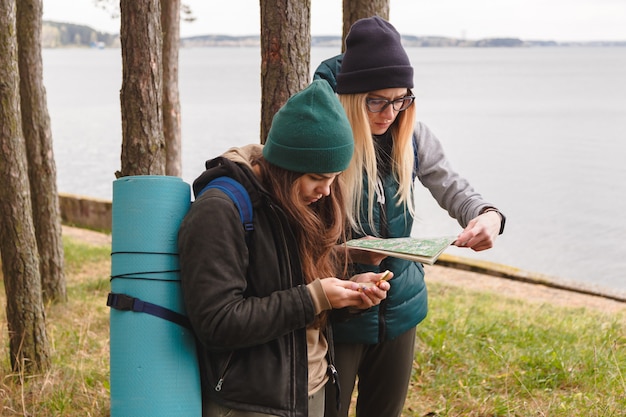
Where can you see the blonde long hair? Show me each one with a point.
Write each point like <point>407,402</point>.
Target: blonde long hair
<point>364,161</point>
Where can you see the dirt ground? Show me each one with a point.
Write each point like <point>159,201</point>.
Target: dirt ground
<point>473,281</point>
<point>456,277</point>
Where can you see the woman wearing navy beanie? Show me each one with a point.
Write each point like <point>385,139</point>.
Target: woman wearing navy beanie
<point>374,79</point>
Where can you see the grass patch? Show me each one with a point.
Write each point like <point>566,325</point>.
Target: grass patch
<point>481,354</point>
<point>477,355</point>
<point>77,383</point>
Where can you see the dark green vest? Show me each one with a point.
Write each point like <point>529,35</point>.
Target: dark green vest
<point>406,304</point>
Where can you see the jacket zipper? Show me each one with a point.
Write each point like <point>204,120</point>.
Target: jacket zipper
<point>382,308</point>
<point>220,381</point>
<point>282,220</point>
<point>382,325</point>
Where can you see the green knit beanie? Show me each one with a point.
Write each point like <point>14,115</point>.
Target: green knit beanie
<point>311,133</point>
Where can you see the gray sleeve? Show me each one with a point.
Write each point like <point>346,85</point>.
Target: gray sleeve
<point>451,191</point>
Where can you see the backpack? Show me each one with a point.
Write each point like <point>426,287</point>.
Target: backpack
<point>241,198</point>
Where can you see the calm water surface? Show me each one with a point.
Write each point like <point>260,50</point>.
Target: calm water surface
<point>538,131</point>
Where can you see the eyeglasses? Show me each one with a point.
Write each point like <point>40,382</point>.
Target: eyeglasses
<point>376,105</point>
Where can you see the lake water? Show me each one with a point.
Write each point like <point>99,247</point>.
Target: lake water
<point>540,132</point>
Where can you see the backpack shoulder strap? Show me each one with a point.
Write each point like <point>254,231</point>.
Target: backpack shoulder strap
<point>238,194</point>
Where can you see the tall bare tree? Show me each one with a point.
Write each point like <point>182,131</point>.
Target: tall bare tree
<point>170,23</point>
<point>28,343</point>
<point>171,11</point>
<point>143,144</point>
<point>354,10</point>
<point>41,164</point>
<point>285,54</point>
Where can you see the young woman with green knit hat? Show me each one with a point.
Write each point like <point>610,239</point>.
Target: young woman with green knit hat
<point>374,79</point>
<point>258,300</point>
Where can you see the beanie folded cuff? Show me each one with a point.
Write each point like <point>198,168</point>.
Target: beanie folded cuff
<point>374,79</point>
<point>311,160</point>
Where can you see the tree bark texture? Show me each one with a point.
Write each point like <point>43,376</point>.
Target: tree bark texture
<point>285,54</point>
<point>143,146</point>
<point>28,342</point>
<point>170,23</point>
<point>354,10</point>
<point>39,150</point>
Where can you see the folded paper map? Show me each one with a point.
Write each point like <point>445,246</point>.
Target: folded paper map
<point>425,250</point>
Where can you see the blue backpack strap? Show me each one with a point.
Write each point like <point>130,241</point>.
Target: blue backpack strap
<point>238,194</point>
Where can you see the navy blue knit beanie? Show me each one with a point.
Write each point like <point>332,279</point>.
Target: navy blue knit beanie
<point>374,59</point>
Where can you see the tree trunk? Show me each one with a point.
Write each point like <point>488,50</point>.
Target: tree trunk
<point>354,10</point>
<point>143,146</point>
<point>38,137</point>
<point>170,23</point>
<point>28,341</point>
<point>285,54</point>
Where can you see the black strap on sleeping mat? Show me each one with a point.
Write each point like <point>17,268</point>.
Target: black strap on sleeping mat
<point>125,302</point>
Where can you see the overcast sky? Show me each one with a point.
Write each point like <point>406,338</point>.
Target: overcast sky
<point>559,20</point>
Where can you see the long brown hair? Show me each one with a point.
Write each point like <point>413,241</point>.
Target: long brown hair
<point>318,227</point>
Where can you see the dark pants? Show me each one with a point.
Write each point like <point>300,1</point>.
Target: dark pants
<point>383,370</point>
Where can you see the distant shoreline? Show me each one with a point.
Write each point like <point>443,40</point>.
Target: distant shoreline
<point>64,35</point>
<point>407,41</point>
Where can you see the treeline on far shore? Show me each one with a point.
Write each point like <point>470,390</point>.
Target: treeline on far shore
<point>63,35</point>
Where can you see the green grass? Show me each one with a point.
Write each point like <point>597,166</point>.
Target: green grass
<point>78,333</point>
<point>477,354</point>
<point>486,355</point>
